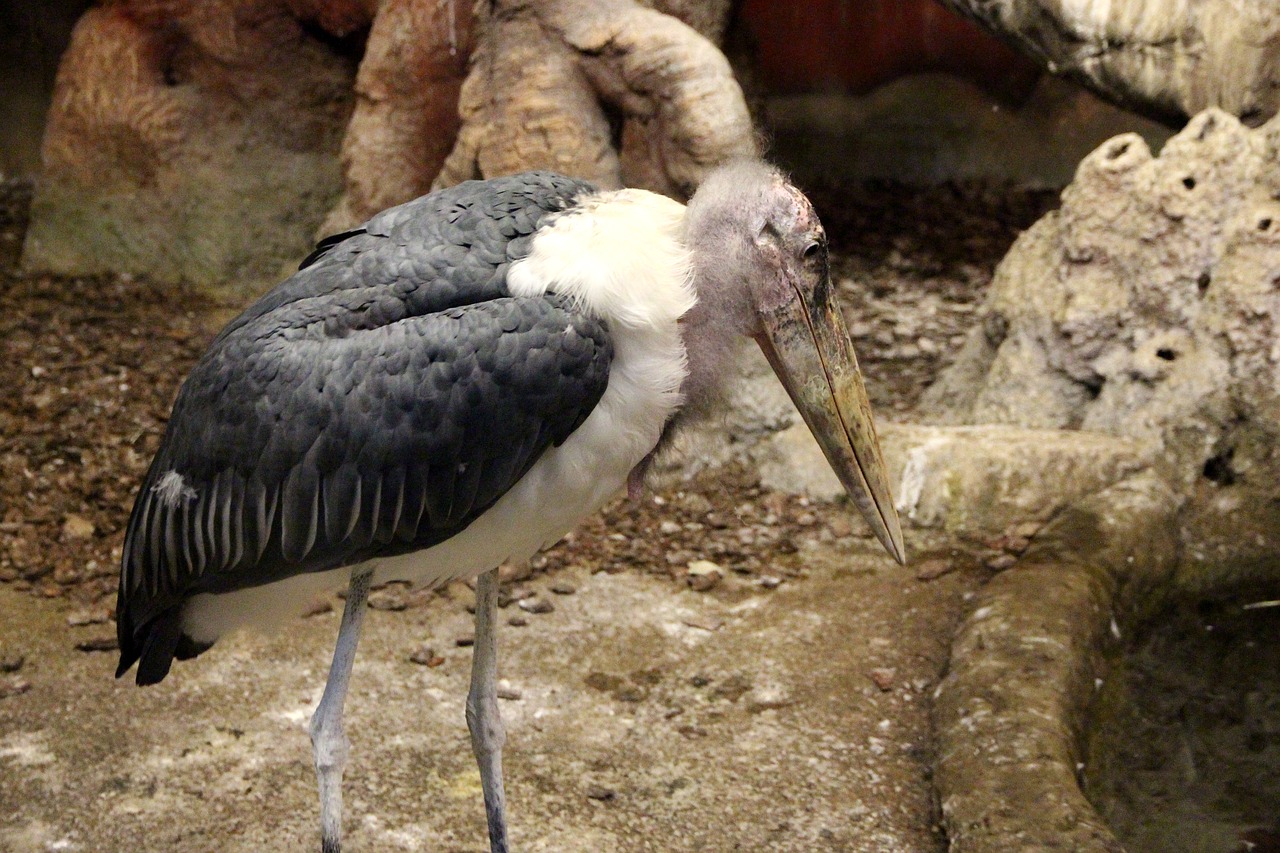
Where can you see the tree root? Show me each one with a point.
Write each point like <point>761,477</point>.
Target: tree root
<point>610,91</point>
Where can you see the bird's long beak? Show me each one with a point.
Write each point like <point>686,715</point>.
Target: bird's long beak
<point>808,346</point>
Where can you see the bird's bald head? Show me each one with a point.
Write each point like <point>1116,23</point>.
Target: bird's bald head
<point>754,238</point>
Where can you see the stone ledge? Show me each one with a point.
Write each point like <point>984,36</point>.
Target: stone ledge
<point>966,480</point>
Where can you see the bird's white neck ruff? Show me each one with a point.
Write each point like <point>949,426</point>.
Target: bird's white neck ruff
<point>620,257</point>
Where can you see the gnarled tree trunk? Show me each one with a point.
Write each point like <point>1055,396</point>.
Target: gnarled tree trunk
<point>611,91</point>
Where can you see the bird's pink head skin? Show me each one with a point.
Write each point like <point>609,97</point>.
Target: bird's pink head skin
<point>761,270</point>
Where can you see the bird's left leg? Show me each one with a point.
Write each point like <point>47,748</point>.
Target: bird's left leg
<point>328,740</point>
<point>483,719</point>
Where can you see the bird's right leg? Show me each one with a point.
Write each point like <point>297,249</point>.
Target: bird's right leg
<point>328,740</point>
<point>483,719</point>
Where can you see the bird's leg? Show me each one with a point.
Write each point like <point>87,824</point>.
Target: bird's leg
<point>483,719</point>
<point>328,740</point>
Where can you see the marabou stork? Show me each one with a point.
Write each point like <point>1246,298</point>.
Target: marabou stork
<point>456,384</point>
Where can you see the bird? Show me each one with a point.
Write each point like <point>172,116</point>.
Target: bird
<point>455,384</point>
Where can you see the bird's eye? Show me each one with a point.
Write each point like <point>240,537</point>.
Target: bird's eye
<point>811,251</point>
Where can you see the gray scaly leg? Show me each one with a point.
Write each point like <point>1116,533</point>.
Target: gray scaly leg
<point>483,719</point>
<point>329,742</point>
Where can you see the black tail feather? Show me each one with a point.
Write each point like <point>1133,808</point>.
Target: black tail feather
<point>129,649</point>
<point>153,646</point>
<point>161,642</point>
<point>159,647</point>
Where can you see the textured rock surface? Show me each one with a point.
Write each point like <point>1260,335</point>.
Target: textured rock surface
<point>966,480</point>
<point>1166,59</point>
<point>1146,307</point>
<point>1010,713</point>
<point>198,147</point>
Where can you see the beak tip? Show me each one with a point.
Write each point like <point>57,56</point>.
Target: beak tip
<point>892,538</point>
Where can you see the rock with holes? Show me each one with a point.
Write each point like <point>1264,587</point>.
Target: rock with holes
<point>1146,307</point>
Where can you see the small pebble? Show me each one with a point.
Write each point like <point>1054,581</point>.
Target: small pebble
<point>731,688</point>
<point>883,677</point>
<point>563,588</point>
<point>506,691</point>
<point>767,700</point>
<point>1017,544</point>
<point>510,572</point>
<point>597,792</point>
<point>517,621</point>
<point>770,581</point>
<point>697,504</point>
<point>387,599</point>
<point>704,623</point>
<point>98,644</point>
<point>14,686</point>
<point>627,693</point>
<point>537,604</point>
<point>464,640</point>
<point>87,617</point>
<point>11,663</point>
<point>426,656</point>
<point>77,527</point>
<point>933,569</point>
<point>1000,562</point>
<point>704,574</point>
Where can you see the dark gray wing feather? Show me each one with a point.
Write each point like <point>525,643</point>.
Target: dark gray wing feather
<point>373,404</point>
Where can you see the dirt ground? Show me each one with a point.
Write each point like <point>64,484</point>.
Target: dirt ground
<point>782,708</point>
